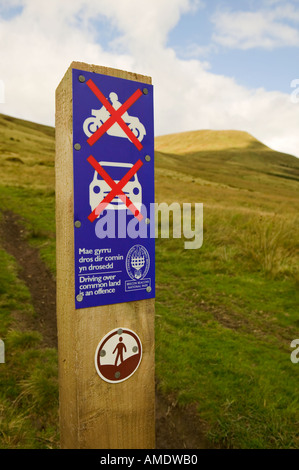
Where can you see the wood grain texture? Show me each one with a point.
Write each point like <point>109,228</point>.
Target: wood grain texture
<point>95,414</point>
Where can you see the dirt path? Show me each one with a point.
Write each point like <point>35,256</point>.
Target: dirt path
<point>35,275</point>
<point>175,428</point>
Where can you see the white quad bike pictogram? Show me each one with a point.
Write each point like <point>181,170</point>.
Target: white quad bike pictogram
<point>99,116</point>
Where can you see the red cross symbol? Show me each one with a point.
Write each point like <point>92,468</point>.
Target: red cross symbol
<point>115,115</point>
<point>116,189</point>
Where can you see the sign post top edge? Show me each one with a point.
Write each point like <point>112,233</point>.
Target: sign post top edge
<point>105,71</point>
<point>118,73</point>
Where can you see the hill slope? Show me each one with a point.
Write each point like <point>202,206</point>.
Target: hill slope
<point>26,150</point>
<point>236,145</point>
<point>217,163</point>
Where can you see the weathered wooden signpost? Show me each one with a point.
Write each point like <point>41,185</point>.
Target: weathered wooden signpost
<point>105,271</point>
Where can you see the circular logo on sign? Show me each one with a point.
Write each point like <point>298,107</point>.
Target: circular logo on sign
<point>137,262</point>
<point>118,355</point>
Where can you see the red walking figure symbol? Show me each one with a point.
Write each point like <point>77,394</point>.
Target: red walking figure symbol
<point>120,347</point>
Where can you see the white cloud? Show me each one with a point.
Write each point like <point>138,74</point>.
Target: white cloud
<point>265,28</point>
<point>38,45</point>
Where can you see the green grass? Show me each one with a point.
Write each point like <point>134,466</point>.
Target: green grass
<point>223,343</point>
<point>225,314</point>
<point>28,378</point>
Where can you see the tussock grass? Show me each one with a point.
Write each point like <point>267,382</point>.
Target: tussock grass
<point>266,243</point>
<point>273,245</point>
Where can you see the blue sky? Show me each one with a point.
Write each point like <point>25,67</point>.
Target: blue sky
<point>231,62</point>
<point>271,68</point>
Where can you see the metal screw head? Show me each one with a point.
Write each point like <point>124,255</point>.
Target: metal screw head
<point>148,289</point>
<point>117,375</point>
<point>147,158</point>
<point>145,91</point>
<point>77,224</point>
<point>81,78</point>
<point>79,298</point>
<point>102,353</point>
<point>120,331</point>
<point>134,349</point>
<point>77,147</point>
<point>147,221</point>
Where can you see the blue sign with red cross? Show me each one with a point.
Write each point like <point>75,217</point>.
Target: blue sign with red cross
<point>113,174</point>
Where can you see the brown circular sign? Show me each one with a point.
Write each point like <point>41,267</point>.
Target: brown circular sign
<point>118,355</point>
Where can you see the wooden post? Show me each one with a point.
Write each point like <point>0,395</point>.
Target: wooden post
<point>95,414</point>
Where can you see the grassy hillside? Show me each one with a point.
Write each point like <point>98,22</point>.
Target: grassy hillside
<point>229,310</point>
<point>230,168</point>
<point>225,314</point>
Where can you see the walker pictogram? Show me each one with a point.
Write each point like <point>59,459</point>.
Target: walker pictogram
<point>116,189</point>
<point>113,118</point>
<point>118,355</point>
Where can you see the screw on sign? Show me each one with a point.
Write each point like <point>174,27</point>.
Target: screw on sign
<point>111,116</point>
<point>118,355</point>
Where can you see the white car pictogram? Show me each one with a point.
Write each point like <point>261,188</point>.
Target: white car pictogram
<point>99,188</point>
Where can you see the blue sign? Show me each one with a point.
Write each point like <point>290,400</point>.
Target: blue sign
<point>113,163</point>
